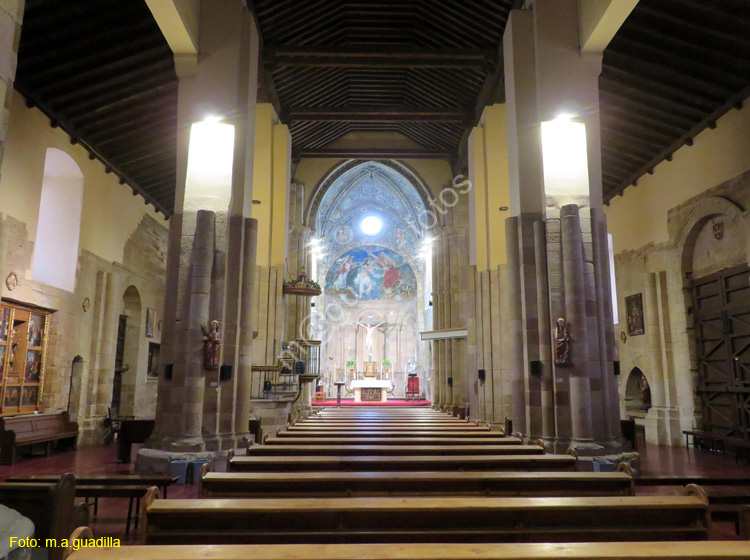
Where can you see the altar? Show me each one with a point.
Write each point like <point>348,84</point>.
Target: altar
<point>369,390</point>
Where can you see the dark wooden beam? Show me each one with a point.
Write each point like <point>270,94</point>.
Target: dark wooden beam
<point>377,58</point>
<point>378,114</point>
<point>373,153</point>
<point>686,139</point>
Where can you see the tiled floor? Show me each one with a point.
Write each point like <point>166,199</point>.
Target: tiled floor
<point>110,522</point>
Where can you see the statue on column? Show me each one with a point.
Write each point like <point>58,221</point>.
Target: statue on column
<point>211,346</point>
<point>562,344</point>
<point>369,344</point>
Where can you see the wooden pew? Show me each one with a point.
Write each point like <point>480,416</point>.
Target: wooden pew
<point>385,440</point>
<point>370,484</point>
<point>20,431</point>
<point>162,481</point>
<point>706,550</point>
<point>441,519</point>
<point>392,450</point>
<point>388,428</point>
<point>403,463</point>
<point>50,505</point>
<point>390,433</point>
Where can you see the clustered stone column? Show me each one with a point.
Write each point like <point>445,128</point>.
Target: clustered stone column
<point>451,302</point>
<point>203,407</point>
<point>557,248</point>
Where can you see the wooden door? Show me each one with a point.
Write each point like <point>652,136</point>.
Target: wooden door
<point>721,307</point>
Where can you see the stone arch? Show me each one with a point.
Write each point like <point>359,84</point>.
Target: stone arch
<point>637,393</point>
<point>707,209</point>
<point>340,169</point>
<point>132,310</point>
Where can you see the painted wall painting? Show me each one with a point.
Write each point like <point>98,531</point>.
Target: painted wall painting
<point>369,273</point>
<point>634,307</point>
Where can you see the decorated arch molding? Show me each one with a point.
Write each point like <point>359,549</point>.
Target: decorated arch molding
<point>341,169</point>
<point>704,211</point>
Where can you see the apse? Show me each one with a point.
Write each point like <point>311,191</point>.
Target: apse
<point>374,271</point>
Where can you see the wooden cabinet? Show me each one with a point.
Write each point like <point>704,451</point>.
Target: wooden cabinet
<point>23,349</point>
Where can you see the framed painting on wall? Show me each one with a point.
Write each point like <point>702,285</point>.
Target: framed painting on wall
<point>150,322</point>
<point>634,307</point>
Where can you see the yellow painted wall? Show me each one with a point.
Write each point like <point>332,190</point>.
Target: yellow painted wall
<point>282,162</point>
<point>498,180</point>
<point>478,198</point>
<point>490,175</point>
<point>639,216</point>
<point>110,211</point>
<point>265,117</point>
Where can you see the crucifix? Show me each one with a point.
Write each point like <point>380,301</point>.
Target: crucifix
<point>370,328</point>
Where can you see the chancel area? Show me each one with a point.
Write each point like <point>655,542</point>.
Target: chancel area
<point>357,279</point>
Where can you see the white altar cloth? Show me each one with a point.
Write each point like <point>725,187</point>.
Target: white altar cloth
<point>359,384</point>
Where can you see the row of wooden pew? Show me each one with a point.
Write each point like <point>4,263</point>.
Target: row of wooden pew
<point>382,483</point>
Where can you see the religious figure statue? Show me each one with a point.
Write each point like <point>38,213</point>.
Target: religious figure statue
<point>211,346</point>
<point>562,344</point>
<point>368,337</point>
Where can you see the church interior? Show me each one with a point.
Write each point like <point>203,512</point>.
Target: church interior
<point>363,279</point>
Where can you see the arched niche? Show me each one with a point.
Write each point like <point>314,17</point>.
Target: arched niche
<point>58,230</point>
<point>131,350</point>
<point>637,394</point>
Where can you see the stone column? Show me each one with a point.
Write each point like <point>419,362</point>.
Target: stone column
<point>244,372</point>
<point>557,254</point>
<point>208,246</point>
<point>518,388</point>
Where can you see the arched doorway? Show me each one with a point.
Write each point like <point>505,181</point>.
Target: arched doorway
<point>370,234</point>
<point>715,244</point>
<point>127,355</point>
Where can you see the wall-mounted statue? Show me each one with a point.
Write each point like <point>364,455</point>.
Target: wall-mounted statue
<point>562,344</point>
<point>211,346</point>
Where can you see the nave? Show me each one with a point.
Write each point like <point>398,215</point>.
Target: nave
<point>309,493</point>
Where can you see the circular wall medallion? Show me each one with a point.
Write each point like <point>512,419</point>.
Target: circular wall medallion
<point>86,304</point>
<point>12,282</point>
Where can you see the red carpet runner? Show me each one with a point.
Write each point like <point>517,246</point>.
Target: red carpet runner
<point>390,402</point>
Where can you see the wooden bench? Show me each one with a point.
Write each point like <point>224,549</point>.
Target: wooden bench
<point>19,431</point>
<point>389,433</point>
<point>705,550</point>
<point>370,484</point>
<point>131,486</point>
<point>50,505</point>
<point>403,463</point>
<point>717,441</point>
<point>438,519</point>
<point>162,481</point>
<point>350,440</point>
<point>393,450</point>
<point>388,428</point>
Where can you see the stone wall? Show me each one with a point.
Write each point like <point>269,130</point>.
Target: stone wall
<point>662,273</point>
<point>84,323</point>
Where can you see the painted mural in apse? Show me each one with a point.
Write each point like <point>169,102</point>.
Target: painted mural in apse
<point>371,272</point>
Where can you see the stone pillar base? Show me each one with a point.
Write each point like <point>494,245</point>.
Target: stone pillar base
<point>663,426</point>
<point>156,461</point>
<point>586,448</point>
